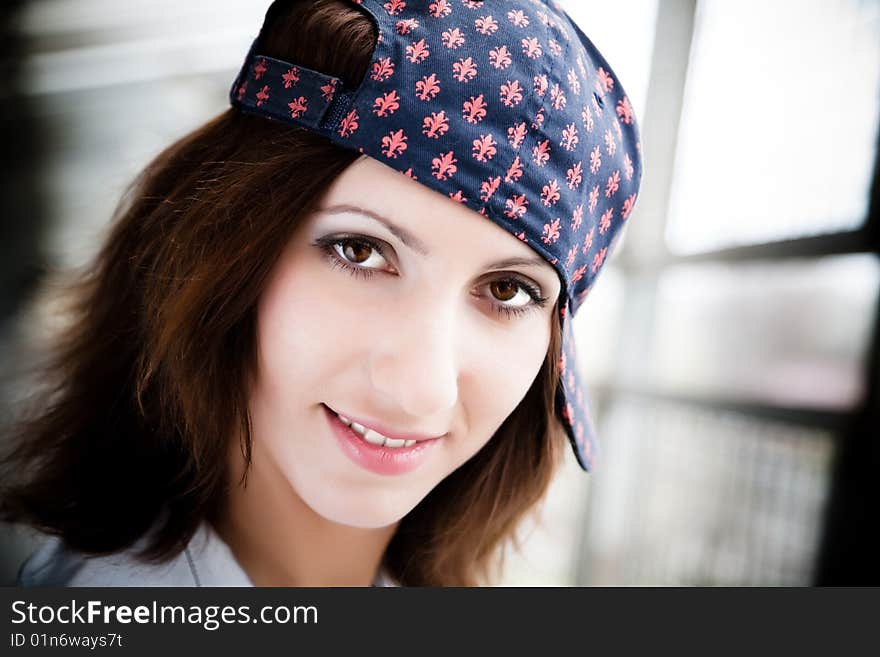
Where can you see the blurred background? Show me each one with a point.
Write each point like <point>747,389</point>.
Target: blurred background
<point>731,345</point>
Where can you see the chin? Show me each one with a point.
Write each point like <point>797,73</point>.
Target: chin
<point>358,508</point>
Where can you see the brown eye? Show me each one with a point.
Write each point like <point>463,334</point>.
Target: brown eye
<point>511,293</point>
<point>357,252</point>
<point>504,290</point>
<point>361,253</point>
<point>512,296</point>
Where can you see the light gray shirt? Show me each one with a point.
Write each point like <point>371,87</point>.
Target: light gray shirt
<point>206,561</point>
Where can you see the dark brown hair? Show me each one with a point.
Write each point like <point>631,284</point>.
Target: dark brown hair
<point>147,381</point>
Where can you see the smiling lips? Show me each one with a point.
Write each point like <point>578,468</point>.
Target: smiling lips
<point>377,434</point>
<point>376,452</point>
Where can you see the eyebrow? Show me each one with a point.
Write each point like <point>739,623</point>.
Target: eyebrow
<point>417,245</point>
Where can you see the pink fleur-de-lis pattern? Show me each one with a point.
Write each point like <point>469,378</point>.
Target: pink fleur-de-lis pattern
<point>289,92</point>
<point>504,107</point>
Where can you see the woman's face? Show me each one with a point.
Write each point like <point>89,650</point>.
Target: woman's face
<point>394,307</point>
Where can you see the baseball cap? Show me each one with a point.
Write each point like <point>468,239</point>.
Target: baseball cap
<point>505,107</point>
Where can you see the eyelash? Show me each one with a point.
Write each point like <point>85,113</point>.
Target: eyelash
<point>326,245</point>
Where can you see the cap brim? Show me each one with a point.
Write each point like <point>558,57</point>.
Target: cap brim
<point>571,399</point>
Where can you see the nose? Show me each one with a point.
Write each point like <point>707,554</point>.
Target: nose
<point>415,367</point>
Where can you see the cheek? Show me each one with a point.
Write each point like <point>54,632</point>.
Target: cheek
<point>304,324</point>
<point>508,364</point>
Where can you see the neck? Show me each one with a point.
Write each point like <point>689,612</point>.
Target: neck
<point>280,541</point>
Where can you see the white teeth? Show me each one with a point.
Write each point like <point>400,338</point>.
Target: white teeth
<point>374,437</point>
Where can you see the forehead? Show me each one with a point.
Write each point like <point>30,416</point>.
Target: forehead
<point>440,223</point>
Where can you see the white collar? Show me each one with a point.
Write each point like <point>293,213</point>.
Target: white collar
<point>206,561</point>
<point>211,561</point>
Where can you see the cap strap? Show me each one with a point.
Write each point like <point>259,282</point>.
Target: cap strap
<point>290,93</point>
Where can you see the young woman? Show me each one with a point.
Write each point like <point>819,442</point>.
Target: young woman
<point>290,364</point>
